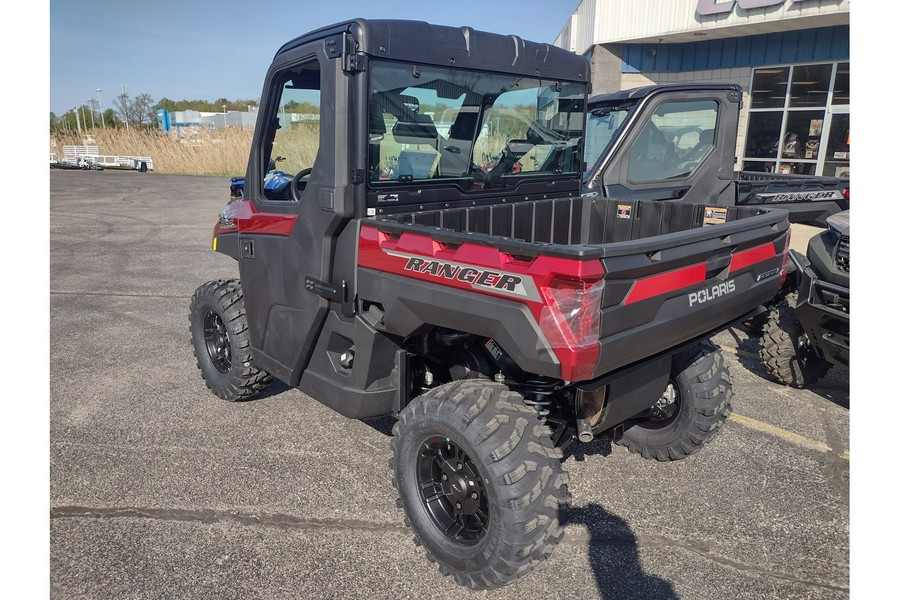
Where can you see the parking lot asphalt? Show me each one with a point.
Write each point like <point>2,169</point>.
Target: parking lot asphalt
<point>158,489</point>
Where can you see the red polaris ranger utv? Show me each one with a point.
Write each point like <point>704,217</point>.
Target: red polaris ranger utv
<point>413,241</point>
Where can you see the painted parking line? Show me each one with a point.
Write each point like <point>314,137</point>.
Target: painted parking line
<point>736,352</point>
<point>784,434</point>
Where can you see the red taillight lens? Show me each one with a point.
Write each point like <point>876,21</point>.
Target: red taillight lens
<point>784,257</point>
<point>846,194</point>
<point>570,318</point>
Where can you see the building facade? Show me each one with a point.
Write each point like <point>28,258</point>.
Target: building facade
<point>190,122</point>
<point>791,57</point>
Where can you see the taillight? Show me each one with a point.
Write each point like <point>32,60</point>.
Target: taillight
<point>784,257</point>
<point>846,194</point>
<point>570,320</point>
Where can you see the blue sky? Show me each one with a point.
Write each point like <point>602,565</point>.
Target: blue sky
<point>209,50</point>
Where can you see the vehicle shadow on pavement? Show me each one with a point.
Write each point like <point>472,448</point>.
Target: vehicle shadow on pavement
<point>578,451</point>
<point>614,557</point>
<point>383,425</point>
<point>274,388</point>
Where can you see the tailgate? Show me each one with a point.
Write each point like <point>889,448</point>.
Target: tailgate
<point>663,292</point>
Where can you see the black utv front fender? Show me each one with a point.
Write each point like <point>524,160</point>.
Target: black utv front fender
<point>823,309</point>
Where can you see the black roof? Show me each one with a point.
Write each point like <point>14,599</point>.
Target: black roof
<point>462,47</point>
<point>642,92</point>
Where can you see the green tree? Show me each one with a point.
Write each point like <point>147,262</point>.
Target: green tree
<point>71,119</point>
<point>169,105</point>
<point>110,119</point>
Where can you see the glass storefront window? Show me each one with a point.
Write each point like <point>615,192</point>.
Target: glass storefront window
<point>769,87</point>
<point>802,135</point>
<point>764,131</point>
<point>809,85</point>
<point>841,94</point>
<point>792,127</point>
<point>837,153</point>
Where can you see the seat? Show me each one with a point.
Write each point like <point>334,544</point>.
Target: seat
<point>456,152</point>
<point>704,144</point>
<point>417,129</point>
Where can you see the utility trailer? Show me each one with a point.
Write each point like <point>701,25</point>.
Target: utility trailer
<point>89,158</point>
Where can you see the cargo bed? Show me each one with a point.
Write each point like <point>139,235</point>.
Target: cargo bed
<point>671,272</point>
<point>583,227</point>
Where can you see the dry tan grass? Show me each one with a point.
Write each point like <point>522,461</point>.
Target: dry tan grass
<point>221,152</point>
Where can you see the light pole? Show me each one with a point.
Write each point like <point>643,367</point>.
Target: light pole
<point>125,108</point>
<point>82,116</point>
<point>91,105</point>
<point>224,117</point>
<point>100,104</point>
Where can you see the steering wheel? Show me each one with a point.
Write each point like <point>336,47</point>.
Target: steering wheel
<point>296,190</point>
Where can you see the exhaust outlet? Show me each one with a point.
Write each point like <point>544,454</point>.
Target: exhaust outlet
<point>583,427</point>
<point>590,405</point>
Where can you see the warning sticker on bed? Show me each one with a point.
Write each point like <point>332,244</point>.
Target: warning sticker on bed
<point>714,215</point>
<point>623,211</point>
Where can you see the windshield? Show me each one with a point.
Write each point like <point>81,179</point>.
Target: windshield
<point>603,124</point>
<point>470,129</point>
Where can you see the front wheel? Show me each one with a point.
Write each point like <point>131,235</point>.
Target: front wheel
<point>785,349</point>
<point>221,340</point>
<point>691,411</point>
<point>480,481</point>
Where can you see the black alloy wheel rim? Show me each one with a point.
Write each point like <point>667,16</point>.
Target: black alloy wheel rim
<point>218,346</point>
<point>452,491</point>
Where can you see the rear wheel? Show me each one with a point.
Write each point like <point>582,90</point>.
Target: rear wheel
<point>480,481</point>
<point>691,410</point>
<point>785,348</point>
<point>221,340</point>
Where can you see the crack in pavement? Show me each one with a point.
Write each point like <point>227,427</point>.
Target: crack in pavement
<point>207,516</point>
<point>122,294</point>
<point>284,521</point>
<point>701,550</point>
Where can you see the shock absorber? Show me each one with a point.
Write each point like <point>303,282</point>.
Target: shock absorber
<point>538,394</point>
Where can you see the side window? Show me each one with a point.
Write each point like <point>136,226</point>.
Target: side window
<point>294,134</point>
<point>674,142</point>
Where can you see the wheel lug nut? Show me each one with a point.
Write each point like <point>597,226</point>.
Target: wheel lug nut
<point>458,505</point>
<point>458,466</point>
<point>474,496</point>
<point>444,477</point>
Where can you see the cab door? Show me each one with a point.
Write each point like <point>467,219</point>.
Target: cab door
<point>681,147</point>
<point>286,256</point>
